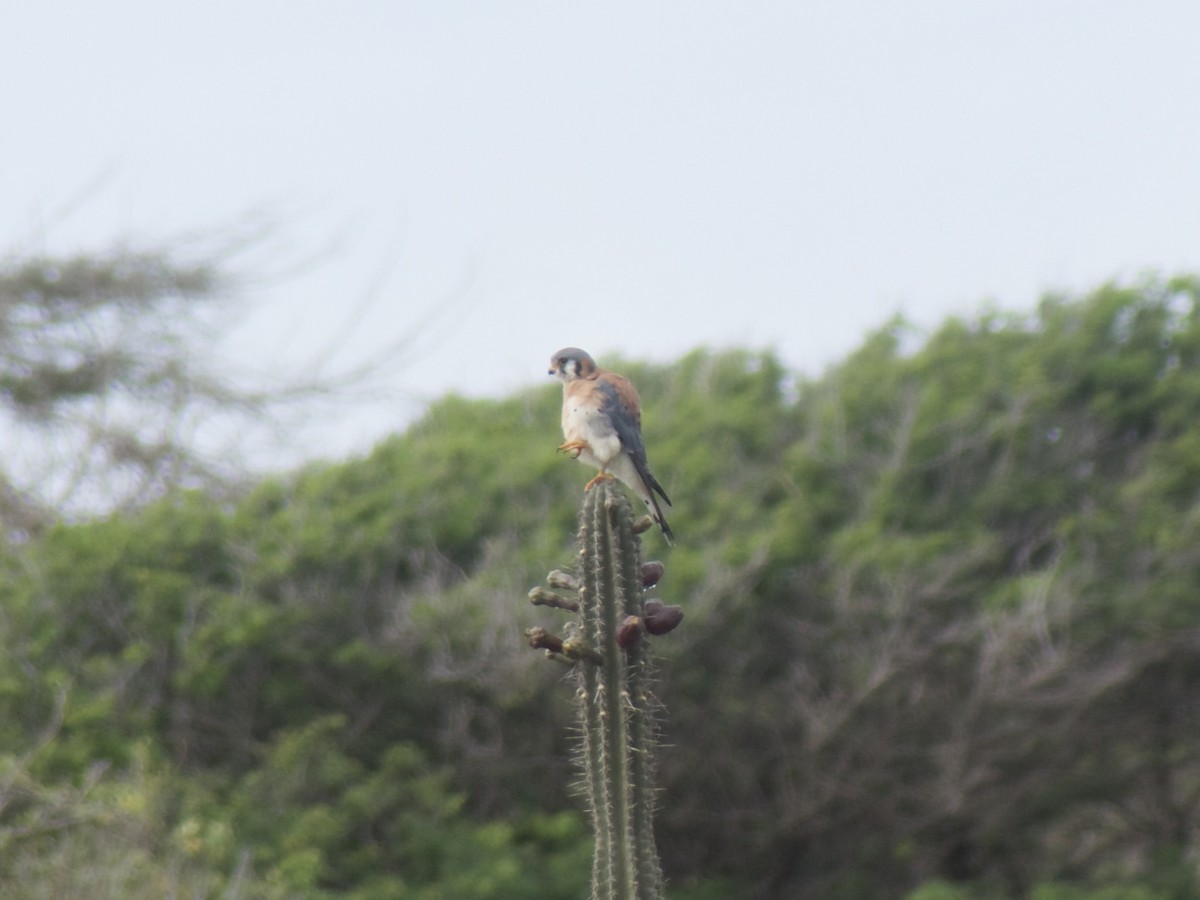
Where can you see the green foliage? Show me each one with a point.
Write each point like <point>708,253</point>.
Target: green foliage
<point>942,890</point>
<point>328,825</point>
<point>108,838</point>
<point>1111,892</point>
<point>941,641</point>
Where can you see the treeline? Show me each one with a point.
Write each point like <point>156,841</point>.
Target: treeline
<point>942,641</point>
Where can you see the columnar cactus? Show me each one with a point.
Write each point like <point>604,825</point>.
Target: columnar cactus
<point>607,646</point>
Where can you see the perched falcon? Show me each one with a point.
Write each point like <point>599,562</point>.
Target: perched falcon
<point>602,424</point>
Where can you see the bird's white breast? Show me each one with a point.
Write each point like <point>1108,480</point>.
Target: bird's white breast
<point>583,422</point>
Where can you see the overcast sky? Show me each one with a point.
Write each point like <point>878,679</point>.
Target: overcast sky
<point>638,177</point>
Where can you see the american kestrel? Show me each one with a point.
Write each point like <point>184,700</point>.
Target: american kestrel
<point>602,424</point>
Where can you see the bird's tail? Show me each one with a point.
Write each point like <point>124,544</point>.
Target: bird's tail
<point>636,474</point>
<point>659,517</point>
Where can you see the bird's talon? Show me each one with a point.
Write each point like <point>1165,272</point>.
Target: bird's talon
<point>603,476</point>
<point>574,448</point>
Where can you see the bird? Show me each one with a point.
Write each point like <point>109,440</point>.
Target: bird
<point>602,427</point>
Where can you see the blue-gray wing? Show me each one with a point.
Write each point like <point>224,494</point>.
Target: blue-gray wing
<point>628,426</point>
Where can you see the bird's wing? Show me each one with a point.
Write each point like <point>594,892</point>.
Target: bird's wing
<point>621,407</point>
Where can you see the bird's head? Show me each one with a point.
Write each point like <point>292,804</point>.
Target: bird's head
<point>571,363</point>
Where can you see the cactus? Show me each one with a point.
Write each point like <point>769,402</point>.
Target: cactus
<point>606,643</point>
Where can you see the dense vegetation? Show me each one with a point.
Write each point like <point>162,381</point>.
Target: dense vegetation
<point>942,642</point>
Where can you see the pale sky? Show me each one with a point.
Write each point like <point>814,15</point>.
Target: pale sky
<point>641,177</point>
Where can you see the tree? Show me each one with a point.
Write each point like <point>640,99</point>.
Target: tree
<point>941,611</point>
<point>969,650</point>
<point>106,368</point>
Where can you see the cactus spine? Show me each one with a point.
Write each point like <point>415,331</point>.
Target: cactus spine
<point>615,704</point>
